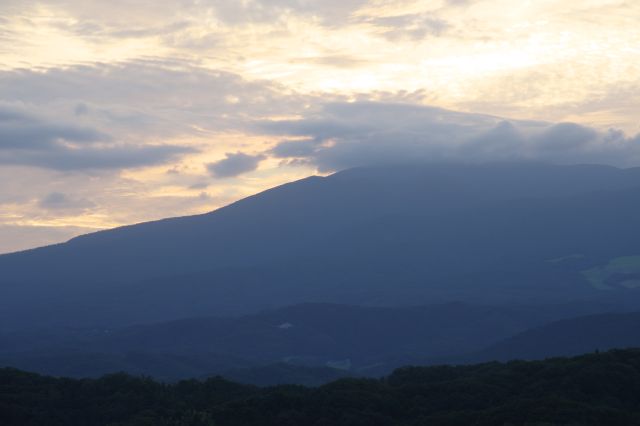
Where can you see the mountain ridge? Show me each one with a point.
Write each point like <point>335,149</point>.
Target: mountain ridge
<point>366,341</point>
<point>364,236</point>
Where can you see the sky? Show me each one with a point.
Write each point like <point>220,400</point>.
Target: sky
<point>119,112</point>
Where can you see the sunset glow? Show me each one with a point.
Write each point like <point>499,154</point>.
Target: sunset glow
<point>119,112</point>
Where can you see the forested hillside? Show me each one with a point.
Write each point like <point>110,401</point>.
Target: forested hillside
<point>594,389</point>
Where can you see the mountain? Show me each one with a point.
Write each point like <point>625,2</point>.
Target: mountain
<point>392,235</point>
<point>569,337</point>
<point>367,341</point>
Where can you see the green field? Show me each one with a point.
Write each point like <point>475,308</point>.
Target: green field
<point>626,267</point>
<point>565,258</point>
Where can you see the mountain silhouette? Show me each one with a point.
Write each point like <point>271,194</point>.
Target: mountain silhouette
<point>387,235</point>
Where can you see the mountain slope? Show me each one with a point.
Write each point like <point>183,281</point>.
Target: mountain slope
<point>362,340</point>
<point>570,337</point>
<point>383,235</point>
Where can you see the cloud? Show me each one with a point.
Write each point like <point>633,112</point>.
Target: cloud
<point>566,136</point>
<point>234,165</point>
<point>111,158</point>
<point>61,201</point>
<point>336,61</point>
<point>146,98</point>
<point>115,116</point>
<point>199,185</point>
<point>92,29</point>
<point>296,148</point>
<point>415,26</point>
<point>142,17</point>
<point>21,131</point>
<point>26,139</point>
<point>81,109</point>
<point>327,12</point>
<point>344,135</point>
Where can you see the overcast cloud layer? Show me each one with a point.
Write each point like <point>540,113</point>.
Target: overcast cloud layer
<point>120,112</point>
<point>344,135</point>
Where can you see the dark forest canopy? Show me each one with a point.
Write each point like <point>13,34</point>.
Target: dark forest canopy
<point>599,388</point>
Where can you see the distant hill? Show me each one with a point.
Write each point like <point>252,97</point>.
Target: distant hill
<point>394,235</point>
<point>369,341</point>
<point>595,389</point>
<point>286,374</point>
<point>569,337</point>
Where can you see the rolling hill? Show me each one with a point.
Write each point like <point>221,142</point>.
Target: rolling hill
<point>290,344</point>
<point>569,337</point>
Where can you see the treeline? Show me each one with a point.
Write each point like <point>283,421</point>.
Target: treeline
<point>594,389</point>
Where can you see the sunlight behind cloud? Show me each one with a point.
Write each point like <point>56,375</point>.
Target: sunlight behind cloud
<point>169,87</point>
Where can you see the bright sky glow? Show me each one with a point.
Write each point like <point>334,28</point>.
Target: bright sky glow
<point>119,112</point>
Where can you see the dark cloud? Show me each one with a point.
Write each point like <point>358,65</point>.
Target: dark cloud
<point>60,201</point>
<point>234,165</point>
<point>566,136</point>
<point>20,131</point>
<point>103,116</point>
<point>8,114</point>
<point>108,158</point>
<point>81,109</point>
<point>32,141</point>
<point>344,135</point>
<point>296,148</point>
<point>199,185</point>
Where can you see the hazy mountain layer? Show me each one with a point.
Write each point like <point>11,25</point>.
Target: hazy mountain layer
<point>570,337</point>
<point>276,345</point>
